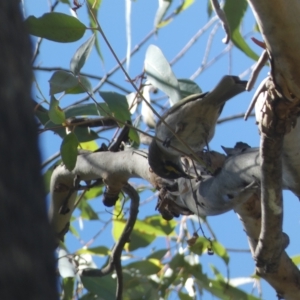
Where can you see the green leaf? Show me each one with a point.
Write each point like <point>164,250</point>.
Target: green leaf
<point>81,55</point>
<point>56,27</point>
<point>101,251</point>
<point>61,81</point>
<point>296,259</point>
<point>160,225</point>
<point>68,151</point>
<point>68,287</point>
<point>139,287</point>
<point>220,250</point>
<point>217,273</point>
<point>117,105</point>
<point>87,211</point>
<point>159,254</point>
<point>177,262</point>
<point>82,110</point>
<point>85,134</point>
<point>160,74</point>
<point>133,135</point>
<point>163,6</point>
<point>74,231</point>
<point>95,5</point>
<point>41,113</point>
<point>138,239</point>
<point>200,246</point>
<point>144,267</point>
<point>183,296</point>
<point>220,289</point>
<point>209,8</point>
<point>235,11</point>
<point>56,114</point>
<point>185,4</point>
<point>188,87</point>
<point>65,1</point>
<point>105,287</point>
<point>93,193</point>
<point>83,85</point>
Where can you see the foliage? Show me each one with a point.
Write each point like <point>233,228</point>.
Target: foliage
<point>161,271</point>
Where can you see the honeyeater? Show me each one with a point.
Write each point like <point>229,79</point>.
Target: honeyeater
<point>193,119</point>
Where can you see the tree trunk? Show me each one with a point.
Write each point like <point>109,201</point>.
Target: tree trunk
<point>27,265</point>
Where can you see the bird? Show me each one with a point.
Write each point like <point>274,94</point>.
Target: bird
<point>193,119</point>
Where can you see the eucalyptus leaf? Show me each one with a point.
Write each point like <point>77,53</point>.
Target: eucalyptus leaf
<point>159,254</point>
<point>61,81</point>
<point>83,86</point>
<point>145,267</point>
<point>235,11</point>
<point>68,151</point>
<point>117,105</point>
<point>183,296</point>
<point>81,110</point>
<point>220,250</point>
<point>188,87</point>
<point>94,7</point>
<point>81,55</point>
<point>56,27</point>
<point>163,6</point>
<point>160,74</point>
<point>101,251</point>
<point>87,212</point>
<point>105,286</point>
<point>56,114</point>
<point>138,239</point>
<point>68,287</point>
<point>184,5</point>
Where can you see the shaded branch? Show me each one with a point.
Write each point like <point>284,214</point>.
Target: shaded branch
<point>115,258</point>
<point>275,116</point>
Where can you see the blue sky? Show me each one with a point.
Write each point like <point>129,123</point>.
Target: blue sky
<point>170,39</point>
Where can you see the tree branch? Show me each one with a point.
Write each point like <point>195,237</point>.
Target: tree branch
<point>283,43</point>
<point>286,281</point>
<point>115,258</point>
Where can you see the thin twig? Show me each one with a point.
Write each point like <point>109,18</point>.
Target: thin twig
<point>50,159</point>
<point>193,40</point>
<point>234,117</point>
<point>212,61</point>
<point>192,153</point>
<point>209,43</point>
<point>50,69</point>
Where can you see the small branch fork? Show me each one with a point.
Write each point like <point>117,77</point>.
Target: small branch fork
<point>115,258</point>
